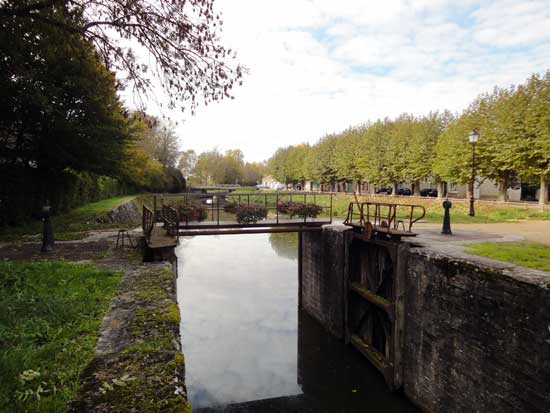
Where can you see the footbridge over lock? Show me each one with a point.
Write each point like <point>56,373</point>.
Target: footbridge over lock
<point>225,213</point>
<point>452,331</point>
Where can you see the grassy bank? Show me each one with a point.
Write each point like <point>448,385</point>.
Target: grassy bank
<point>50,313</point>
<point>526,254</point>
<point>74,224</point>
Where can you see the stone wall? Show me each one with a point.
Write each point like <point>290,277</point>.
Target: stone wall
<point>323,266</point>
<point>476,331</point>
<point>127,213</point>
<point>477,338</point>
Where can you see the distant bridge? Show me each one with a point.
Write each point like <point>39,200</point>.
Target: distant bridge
<point>205,188</point>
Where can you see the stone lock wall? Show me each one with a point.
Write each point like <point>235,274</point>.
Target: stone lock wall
<point>477,338</point>
<point>476,332</point>
<point>323,269</point>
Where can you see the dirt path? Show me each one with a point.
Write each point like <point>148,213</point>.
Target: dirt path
<point>530,230</point>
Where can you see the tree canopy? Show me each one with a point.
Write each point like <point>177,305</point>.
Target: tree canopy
<point>180,37</point>
<point>212,167</point>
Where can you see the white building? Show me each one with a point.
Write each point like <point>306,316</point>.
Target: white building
<point>271,183</point>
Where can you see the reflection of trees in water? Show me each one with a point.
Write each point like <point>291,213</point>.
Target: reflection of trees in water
<point>285,244</point>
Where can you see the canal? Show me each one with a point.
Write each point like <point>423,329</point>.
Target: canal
<point>247,346</point>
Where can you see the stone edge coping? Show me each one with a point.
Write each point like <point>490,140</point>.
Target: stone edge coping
<point>138,364</point>
<point>456,254</point>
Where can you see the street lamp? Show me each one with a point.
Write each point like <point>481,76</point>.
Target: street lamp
<point>473,137</point>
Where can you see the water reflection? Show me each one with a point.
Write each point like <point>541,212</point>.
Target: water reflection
<point>284,244</point>
<point>238,302</point>
<point>248,348</point>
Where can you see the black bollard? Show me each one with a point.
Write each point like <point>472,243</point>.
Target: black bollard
<point>47,233</point>
<point>447,218</point>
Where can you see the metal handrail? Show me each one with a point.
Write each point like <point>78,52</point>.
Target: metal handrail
<point>375,214</point>
<point>270,201</point>
<point>147,222</point>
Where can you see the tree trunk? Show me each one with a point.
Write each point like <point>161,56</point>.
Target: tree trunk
<point>503,189</point>
<point>416,188</point>
<point>394,189</point>
<point>440,189</point>
<point>469,191</point>
<point>543,192</point>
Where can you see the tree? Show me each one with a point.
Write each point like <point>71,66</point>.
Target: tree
<point>232,163</point>
<point>149,158</point>
<point>60,113</point>
<point>321,166</point>
<point>166,145</point>
<point>347,154</point>
<point>253,172</point>
<point>187,162</point>
<point>181,37</point>
<point>537,146</point>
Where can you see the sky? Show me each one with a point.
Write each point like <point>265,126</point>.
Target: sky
<point>321,66</point>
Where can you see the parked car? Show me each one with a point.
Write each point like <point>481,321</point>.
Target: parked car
<point>386,191</point>
<point>428,192</point>
<point>404,191</point>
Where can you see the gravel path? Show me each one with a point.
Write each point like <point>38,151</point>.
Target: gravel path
<point>529,230</point>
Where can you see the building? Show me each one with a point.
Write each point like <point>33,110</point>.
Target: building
<point>271,183</point>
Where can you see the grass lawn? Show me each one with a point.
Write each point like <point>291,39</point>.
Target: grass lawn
<point>527,254</point>
<point>485,213</point>
<point>50,313</point>
<point>74,224</point>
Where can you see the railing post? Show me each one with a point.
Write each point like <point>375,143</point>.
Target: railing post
<point>305,206</point>
<point>277,207</point>
<point>218,209</point>
<point>331,208</point>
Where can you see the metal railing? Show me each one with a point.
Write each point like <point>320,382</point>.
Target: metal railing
<point>385,217</point>
<point>216,207</point>
<point>147,222</point>
<point>171,220</point>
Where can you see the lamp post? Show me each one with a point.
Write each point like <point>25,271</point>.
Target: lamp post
<point>47,232</point>
<point>473,137</point>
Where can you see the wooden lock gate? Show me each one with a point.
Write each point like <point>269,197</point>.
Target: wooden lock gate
<point>375,304</point>
<point>375,307</point>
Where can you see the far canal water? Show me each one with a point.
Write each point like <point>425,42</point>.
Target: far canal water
<point>247,346</point>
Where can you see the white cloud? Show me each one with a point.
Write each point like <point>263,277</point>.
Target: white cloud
<point>319,66</point>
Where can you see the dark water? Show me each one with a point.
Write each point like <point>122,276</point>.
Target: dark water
<point>246,345</point>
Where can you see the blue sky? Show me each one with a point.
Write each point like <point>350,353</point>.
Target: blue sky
<point>320,66</point>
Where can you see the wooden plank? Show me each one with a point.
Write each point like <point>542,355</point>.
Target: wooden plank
<point>160,239</point>
<point>375,357</point>
<point>384,230</point>
<point>265,223</point>
<point>236,231</point>
<point>374,299</point>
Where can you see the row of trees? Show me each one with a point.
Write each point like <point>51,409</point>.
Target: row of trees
<point>514,144</point>
<point>213,167</point>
